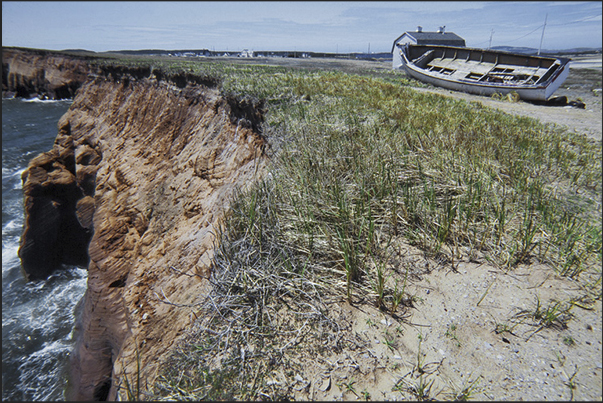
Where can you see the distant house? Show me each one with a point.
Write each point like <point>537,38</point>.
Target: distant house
<point>419,37</point>
<point>247,53</point>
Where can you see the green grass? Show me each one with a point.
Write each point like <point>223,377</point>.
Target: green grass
<point>451,333</point>
<point>555,315</point>
<point>464,392</point>
<point>361,165</point>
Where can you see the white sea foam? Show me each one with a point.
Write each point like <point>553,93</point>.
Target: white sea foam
<point>12,173</point>
<point>12,208</point>
<point>10,257</point>
<point>46,100</point>
<point>40,371</point>
<point>12,225</point>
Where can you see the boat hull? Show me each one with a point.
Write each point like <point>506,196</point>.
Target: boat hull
<point>482,72</point>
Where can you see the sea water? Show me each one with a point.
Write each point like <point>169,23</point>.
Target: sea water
<point>37,316</point>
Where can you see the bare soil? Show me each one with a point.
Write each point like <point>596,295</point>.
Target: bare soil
<point>467,336</point>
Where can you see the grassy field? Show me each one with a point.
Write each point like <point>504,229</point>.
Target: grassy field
<point>361,164</point>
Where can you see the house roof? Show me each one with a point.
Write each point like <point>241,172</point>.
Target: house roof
<point>431,37</point>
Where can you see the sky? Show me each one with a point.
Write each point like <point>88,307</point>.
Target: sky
<point>343,27</point>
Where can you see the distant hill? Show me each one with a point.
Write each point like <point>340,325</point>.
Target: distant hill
<point>78,51</point>
<point>533,51</point>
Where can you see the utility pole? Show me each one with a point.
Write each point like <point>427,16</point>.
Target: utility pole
<point>542,37</point>
<point>369,50</point>
<point>491,33</point>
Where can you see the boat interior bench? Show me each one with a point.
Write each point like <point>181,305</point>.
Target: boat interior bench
<point>484,71</point>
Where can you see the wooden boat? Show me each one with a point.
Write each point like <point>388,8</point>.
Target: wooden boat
<point>485,72</point>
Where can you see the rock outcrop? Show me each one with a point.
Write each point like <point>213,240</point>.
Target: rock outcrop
<point>137,185</point>
<point>28,73</point>
<point>53,233</point>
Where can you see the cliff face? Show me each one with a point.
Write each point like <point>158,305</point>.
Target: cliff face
<point>138,178</point>
<point>50,75</point>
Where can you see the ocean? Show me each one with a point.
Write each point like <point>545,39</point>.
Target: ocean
<point>38,316</point>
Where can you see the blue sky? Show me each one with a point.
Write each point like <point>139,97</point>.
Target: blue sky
<point>309,26</point>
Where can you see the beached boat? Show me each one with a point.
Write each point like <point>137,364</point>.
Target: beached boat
<point>485,72</point>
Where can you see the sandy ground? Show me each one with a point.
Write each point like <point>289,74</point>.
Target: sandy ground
<point>468,329</point>
<point>465,334</point>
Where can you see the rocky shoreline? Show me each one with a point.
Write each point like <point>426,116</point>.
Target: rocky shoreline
<point>31,73</point>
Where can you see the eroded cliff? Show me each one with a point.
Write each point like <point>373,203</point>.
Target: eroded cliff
<point>29,73</point>
<point>141,172</point>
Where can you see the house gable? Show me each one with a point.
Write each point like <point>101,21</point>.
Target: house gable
<point>429,38</point>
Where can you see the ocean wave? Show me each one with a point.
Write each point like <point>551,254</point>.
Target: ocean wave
<point>40,373</point>
<point>13,172</point>
<point>37,316</point>
<point>47,101</point>
<point>12,225</point>
<point>11,178</point>
<point>12,211</point>
<point>10,255</point>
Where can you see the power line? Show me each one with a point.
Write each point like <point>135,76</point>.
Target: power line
<point>555,25</point>
<point>521,37</point>
<point>540,26</point>
<point>577,21</point>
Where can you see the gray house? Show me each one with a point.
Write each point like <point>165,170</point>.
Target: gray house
<point>419,37</point>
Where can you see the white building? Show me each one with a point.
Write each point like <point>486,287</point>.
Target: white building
<point>246,53</point>
<point>418,37</point>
